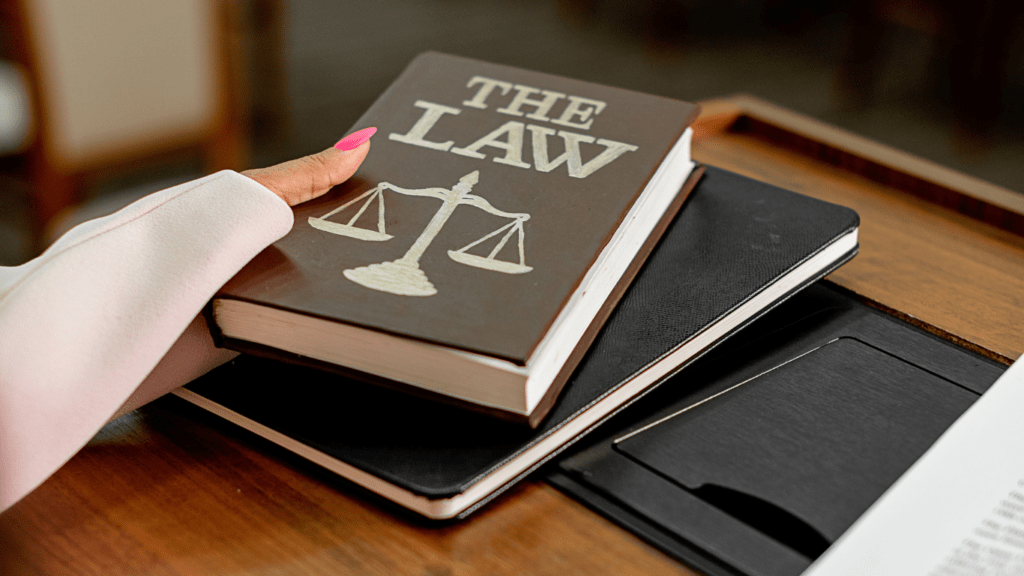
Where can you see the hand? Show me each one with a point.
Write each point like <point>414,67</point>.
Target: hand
<point>297,181</point>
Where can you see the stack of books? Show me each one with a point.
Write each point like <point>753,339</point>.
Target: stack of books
<point>519,257</point>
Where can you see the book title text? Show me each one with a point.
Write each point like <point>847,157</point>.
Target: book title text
<point>535,104</point>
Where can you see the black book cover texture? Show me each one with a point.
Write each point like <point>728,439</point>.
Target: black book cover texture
<point>734,237</point>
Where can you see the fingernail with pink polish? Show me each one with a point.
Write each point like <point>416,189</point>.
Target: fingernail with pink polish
<point>355,139</point>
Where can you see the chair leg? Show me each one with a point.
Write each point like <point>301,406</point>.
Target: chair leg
<point>227,150</point>
<point>228,146</point>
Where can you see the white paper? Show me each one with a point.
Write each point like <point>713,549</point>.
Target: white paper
<point>959,510</point>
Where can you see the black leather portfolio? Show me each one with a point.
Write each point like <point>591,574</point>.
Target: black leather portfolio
<point>754,460</point>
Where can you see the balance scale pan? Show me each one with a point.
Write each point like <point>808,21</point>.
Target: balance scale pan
<point>346,230</point>
<point>488,263</point>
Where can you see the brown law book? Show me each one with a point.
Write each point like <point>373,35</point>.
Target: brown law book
<point>495,223</point>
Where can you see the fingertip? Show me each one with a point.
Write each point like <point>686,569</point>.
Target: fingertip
<point>356,154</point>
<point>355,139</point>
<point>344,163</point>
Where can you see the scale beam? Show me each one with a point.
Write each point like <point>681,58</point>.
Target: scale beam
<point>403,276</point>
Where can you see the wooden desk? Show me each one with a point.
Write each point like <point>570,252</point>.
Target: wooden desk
<point>171,490</point>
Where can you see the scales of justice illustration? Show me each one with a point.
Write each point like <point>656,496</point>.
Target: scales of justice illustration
<point>403,276</point>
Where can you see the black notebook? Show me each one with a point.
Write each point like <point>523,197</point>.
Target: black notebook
<point>738,248</point>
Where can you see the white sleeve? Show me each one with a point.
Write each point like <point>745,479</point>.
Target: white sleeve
<point>112,303</point>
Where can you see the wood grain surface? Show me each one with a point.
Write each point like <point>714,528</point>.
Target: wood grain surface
<point>170,489</point>
<point>957,273</point>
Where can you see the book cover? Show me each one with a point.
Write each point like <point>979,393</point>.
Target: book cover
<point>488,196</point>
<point>737,249</point>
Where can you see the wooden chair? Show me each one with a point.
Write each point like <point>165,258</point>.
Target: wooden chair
<point>119,84</point>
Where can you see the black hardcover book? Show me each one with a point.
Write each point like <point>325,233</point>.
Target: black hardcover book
<point>758,458</point>
<point>738,248</point>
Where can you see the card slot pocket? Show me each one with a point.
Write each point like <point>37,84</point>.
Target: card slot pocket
<point>766,517</point>
<point>689,520</point>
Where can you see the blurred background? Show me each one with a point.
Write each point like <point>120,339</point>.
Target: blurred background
<point>106,100</point>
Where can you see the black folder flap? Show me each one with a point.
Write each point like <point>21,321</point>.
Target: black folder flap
<point>756,459</point>
<point>820,437</point>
